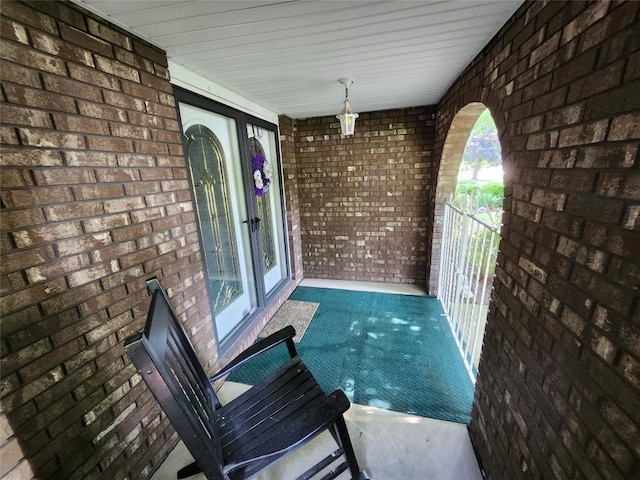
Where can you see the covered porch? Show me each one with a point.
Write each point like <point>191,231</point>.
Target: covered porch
<point>388,444</point>
<point>97,197</point>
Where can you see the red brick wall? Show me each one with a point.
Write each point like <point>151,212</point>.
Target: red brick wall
<point>95,200</point>
<point>558,391</point>
<point>363,199</point>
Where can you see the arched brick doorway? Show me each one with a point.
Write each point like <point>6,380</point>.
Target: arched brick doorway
<point>452,151</point>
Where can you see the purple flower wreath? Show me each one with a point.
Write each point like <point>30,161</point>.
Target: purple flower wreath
<point>262,174</point>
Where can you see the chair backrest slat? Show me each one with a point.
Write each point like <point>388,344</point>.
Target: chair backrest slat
<point>196,398</point>
<point>198,395</point>
<point>165,357</point>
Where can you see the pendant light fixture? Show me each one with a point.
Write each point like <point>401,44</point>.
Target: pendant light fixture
<point>347,116</point>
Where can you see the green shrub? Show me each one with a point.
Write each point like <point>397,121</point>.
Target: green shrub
<point>493,188</point>
<point>471,195</point>
<point>466,188</point>
<point>492,201</point>
<point>482,244</point>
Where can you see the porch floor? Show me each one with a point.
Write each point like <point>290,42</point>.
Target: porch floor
<point>389,445</point>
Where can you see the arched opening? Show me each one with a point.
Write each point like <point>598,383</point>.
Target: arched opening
<point>452,151</point>
<point>469,200</point>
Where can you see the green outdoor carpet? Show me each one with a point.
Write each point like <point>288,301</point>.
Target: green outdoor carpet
<point>389,351</point>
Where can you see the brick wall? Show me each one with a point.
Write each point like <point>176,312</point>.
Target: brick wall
<point>363,199</point>
<point>558,391</point>
<point>95,200</point>
<point>292,195</point>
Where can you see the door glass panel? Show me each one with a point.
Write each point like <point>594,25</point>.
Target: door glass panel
<point>266,174</point>
<point>260,164</point>
<point>210,181</point>
<point>214,163</point>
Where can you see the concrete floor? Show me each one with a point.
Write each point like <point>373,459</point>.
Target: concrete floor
<point>388,445</point>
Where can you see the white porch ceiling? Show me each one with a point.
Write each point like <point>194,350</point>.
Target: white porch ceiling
<point>288,55</point>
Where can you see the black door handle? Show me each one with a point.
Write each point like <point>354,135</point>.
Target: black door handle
<point>255,223</point>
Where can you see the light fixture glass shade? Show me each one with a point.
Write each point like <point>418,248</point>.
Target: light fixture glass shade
<point>347,119</point>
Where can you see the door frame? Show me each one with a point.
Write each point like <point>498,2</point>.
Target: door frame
<point>242,119</point>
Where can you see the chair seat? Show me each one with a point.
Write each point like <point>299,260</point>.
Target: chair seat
<point>259,422</point>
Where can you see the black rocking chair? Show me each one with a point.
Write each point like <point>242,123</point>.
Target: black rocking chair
<point>238,440</point>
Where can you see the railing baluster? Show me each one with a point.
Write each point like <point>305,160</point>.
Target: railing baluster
<point>468,253</point>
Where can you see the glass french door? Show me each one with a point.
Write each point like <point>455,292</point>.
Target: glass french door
<point>235,177</point>
<point>262,143</point>
<point>213,154</point>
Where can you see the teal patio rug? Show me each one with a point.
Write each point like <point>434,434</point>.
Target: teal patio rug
<point>384,350</point>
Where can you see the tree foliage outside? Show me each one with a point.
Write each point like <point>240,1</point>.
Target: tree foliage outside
<point>481,198</point>
<point>483,147</point>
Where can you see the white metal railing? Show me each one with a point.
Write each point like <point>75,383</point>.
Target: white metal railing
<point>467,265</point>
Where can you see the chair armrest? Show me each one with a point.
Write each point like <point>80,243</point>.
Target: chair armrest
<point>284,335</point>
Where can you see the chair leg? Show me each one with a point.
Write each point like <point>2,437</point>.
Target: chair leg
<point>345,442</point>
<point>334,433</point>
<point>189,470</point>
